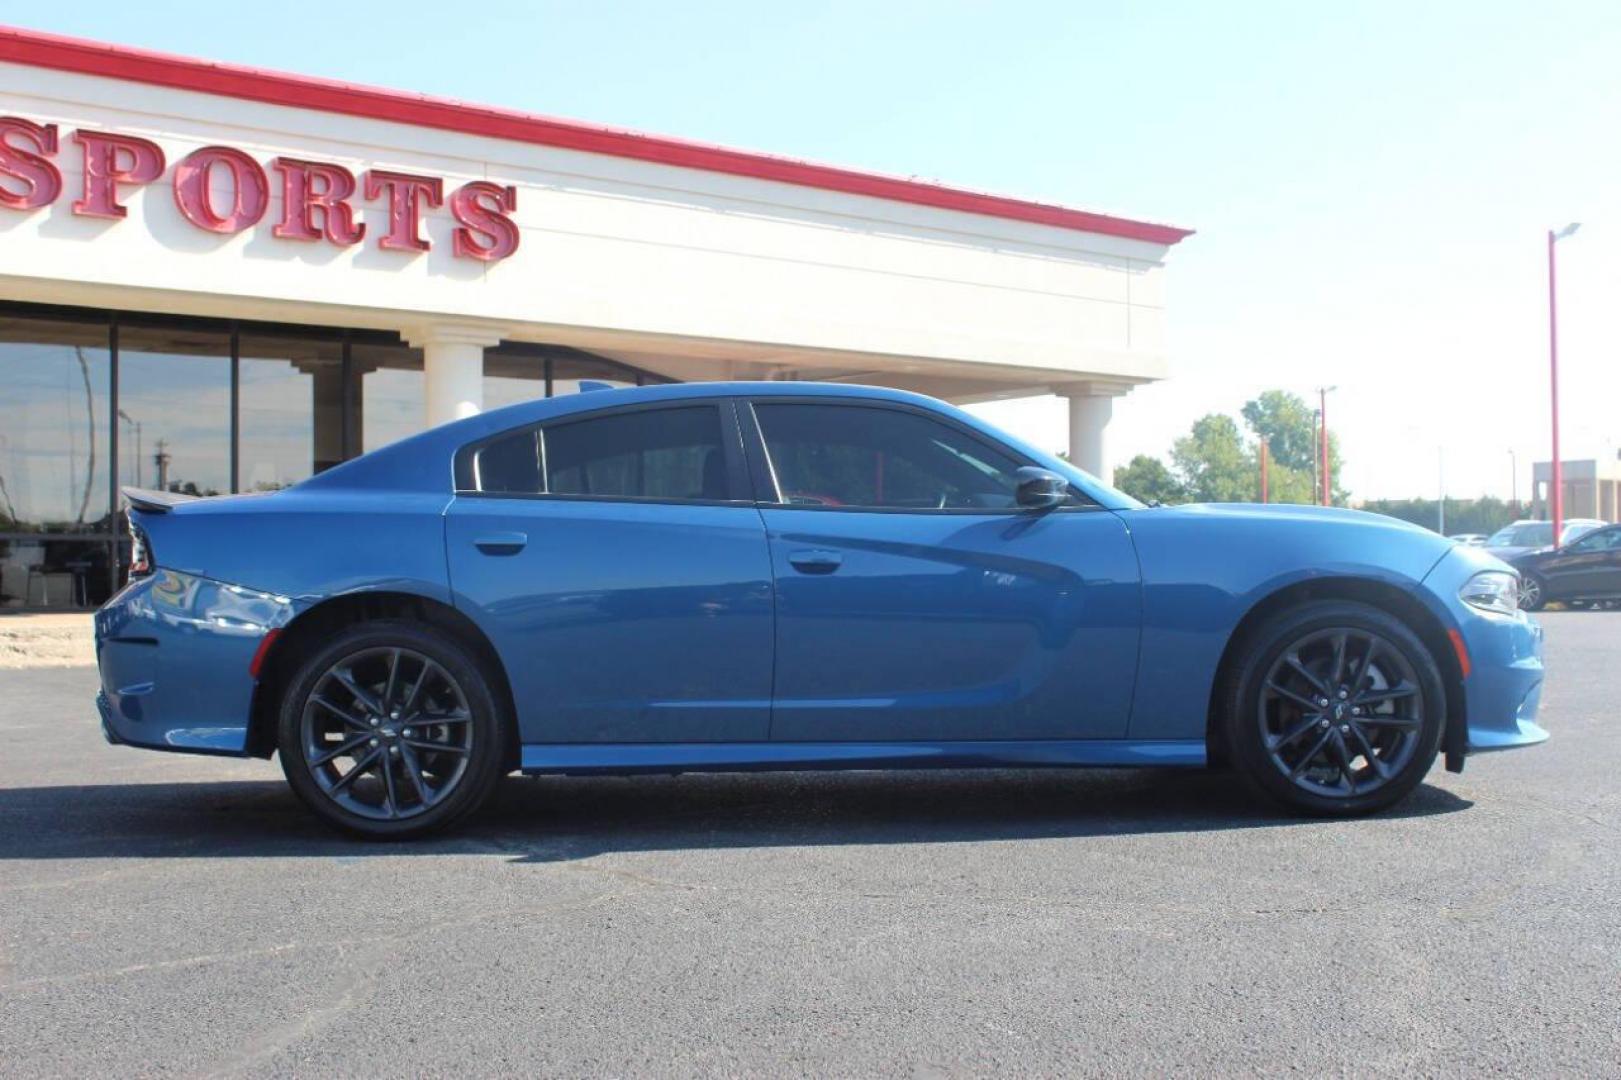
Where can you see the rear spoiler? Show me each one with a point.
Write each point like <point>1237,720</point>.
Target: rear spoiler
<point>155,502</point>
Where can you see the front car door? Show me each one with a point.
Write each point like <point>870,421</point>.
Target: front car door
<point>916,601</point>
<point>617,562</point>
<point>1590,567</point>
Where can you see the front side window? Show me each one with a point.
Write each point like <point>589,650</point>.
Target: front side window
<point>666,454</point>
<point>856,456</point>
<point>1607,540</point>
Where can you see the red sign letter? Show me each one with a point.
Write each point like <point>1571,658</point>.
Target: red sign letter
<point>41,181</point>
<point>248,182</point>
<point>405,196</point>
<point>308,187</point>
<point>486,233</point>
<point>110,160</point>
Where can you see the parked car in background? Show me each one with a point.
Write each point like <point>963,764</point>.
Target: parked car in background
<point>726,576</point>
<point>1587,571</point>
<point>1524,536</point>
<point>1469,539</point>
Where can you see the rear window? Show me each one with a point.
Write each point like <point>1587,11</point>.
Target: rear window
<point>665,454</point>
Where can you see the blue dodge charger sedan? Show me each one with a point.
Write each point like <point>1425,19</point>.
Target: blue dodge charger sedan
<point>791,576</point>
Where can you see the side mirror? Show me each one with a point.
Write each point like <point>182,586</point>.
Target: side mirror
<point>1040,489</point>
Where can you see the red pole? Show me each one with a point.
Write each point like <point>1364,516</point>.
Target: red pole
<point>1263,471</point>
<point>1556,497</point>
<point>1322,406</point>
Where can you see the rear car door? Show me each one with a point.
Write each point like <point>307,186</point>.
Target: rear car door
<point>616,560</point>
<point>915,601</point>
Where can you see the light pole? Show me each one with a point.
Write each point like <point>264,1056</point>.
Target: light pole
<point>1316,419</point>
<point>1514,483</point>
<point>1556,498</point>
<point>1322,449</point>
<point>128,419</point>
<point>1264,499</point>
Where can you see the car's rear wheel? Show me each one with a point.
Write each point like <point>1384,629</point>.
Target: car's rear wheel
<point>1334,708</point>
<point>1533,594</point>
<point>390,730</point>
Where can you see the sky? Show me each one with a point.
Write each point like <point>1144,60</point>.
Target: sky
<point>1371,183</point>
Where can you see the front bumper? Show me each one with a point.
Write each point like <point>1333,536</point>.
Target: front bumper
<point>1503,682</point>
<point>1504,688</point>
<point>174,651</point>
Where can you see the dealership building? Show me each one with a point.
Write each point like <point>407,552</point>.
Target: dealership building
<point>218,279</point>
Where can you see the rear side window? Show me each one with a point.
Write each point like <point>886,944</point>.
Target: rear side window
<point>666,454</point>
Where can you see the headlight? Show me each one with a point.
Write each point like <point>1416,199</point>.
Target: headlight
<point>1492,590</point>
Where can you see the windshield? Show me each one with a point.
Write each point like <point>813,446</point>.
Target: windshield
<point>1528,534</point>
<point>1576,532</point>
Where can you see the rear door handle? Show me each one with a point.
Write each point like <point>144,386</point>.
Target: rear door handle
<point>501,543</point>
<point>815,561</point>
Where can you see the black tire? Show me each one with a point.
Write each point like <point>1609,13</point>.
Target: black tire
<point>1306,758</point>
<point>421,711</point>
<point>1533,593</point>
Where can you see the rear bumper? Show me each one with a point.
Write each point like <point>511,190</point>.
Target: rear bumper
<point>173,652</point>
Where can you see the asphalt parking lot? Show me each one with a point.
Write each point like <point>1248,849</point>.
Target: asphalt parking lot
<point>183,915</point>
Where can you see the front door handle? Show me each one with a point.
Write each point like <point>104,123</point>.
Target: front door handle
<point>815,561</point>
<point>501,543</point>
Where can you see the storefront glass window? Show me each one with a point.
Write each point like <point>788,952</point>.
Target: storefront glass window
<point>392,393</point>
<point>55,540</point>
<point>290,408</point>
<point>174,402</point>
<point>54,378</point>
<point>511,377</point>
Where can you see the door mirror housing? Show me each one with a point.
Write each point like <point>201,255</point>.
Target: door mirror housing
<point>1040,489</point>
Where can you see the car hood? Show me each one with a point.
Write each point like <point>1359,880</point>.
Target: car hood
<point>1293,515</point>
<point>1230,555</point>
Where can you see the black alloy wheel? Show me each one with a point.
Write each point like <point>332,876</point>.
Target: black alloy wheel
<point>1337,708</point>
<point>391,731</point>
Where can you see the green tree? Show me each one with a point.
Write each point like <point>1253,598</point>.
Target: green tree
<point>1214,463</point>
<point>1146,478</point>
<point>1289,427</point>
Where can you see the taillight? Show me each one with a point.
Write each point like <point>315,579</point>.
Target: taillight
<point>140,554</point>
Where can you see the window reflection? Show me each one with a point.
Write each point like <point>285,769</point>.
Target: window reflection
<point>391,397</point>
<point>174,400</point>
<point>291,410</point>
<point>53,426</point>
<point>512,377</point>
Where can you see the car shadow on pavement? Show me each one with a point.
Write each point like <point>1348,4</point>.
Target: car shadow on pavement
<point>563,819</point>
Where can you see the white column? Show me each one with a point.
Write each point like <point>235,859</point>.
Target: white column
<point>1090,408</point>
<point>453,367</point>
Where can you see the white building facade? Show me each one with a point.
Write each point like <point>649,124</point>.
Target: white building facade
<point>222,279</point>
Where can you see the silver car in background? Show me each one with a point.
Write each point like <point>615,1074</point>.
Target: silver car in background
<point>1525,536</point>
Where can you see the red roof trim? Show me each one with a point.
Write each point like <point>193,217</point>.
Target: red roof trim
<point>254,84</point>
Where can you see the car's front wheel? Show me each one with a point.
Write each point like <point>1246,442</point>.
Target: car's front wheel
<point>390,730</point>
<point>1533,594</point>
<point>1334,708</point>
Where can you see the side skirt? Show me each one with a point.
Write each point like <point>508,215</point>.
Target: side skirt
<point>626,758</point>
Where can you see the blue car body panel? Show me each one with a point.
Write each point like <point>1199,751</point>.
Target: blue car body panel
<point>622,622</point>
<point>643,636</point>
<point>1503,688</point>
<point>174,650</point>
<point>954,626</point>
<point>1206,567</point>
